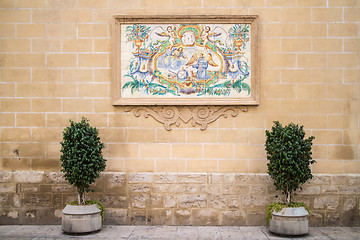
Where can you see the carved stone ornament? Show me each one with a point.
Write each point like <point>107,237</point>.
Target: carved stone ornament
<point>170,115</point>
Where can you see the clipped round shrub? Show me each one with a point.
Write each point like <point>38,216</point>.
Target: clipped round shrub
<point>81,158</point>
<point>289,156</point>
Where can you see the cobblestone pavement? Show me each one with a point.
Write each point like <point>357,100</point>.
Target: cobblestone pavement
<point>172,232</point>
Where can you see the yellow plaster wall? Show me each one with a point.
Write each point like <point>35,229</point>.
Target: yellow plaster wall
<point>55,65</point>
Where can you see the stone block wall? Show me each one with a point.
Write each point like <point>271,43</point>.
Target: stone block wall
<point>176,198</point>
<point>55,65</point>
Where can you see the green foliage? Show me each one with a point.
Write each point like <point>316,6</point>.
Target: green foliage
<point>289,156</point>
<point>81,158</point>
<point>240,85</point>
<point>137,31</point>
<point>99,205</point>
<point>279,206</point>
<point>239,31</point>
<point>134,85</point>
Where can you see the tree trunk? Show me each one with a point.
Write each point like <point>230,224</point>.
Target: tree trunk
<point>81,198</point>
<point>287,196</point>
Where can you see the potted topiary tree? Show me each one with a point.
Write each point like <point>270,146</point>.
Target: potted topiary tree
<point>81,163</point>
<point>289,155</point>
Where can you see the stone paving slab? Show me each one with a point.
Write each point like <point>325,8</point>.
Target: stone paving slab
<point>53,232</point>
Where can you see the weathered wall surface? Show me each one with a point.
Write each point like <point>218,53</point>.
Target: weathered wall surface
<point>55,65</point>
<point>177,198</point>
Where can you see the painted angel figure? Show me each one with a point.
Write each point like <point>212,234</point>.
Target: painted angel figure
<point>206,34</point>
<point>178,53</point>
<point>170,34</point>
<point>201,64</point>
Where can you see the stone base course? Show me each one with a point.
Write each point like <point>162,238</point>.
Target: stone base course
<point>172,233</point>
<point>176,198</point>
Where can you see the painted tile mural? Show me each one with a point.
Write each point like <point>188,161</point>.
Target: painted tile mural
<point>185,60</point>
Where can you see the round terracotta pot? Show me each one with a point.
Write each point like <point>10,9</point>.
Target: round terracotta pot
<point>81,219</point>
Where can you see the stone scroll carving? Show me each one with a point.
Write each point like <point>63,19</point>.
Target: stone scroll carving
<point>174,115</point>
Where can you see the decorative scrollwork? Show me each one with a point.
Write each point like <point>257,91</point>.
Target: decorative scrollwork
<point>204,115</point>
<point>170,115</point>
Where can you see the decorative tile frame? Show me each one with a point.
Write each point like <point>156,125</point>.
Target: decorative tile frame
<point>185,60</point>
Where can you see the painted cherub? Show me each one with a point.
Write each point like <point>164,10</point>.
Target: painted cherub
<point>170,32</point>
<point>205,36</point>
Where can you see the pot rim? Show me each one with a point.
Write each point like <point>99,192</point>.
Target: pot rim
<point>291,212</point>
<point>81,209</point>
